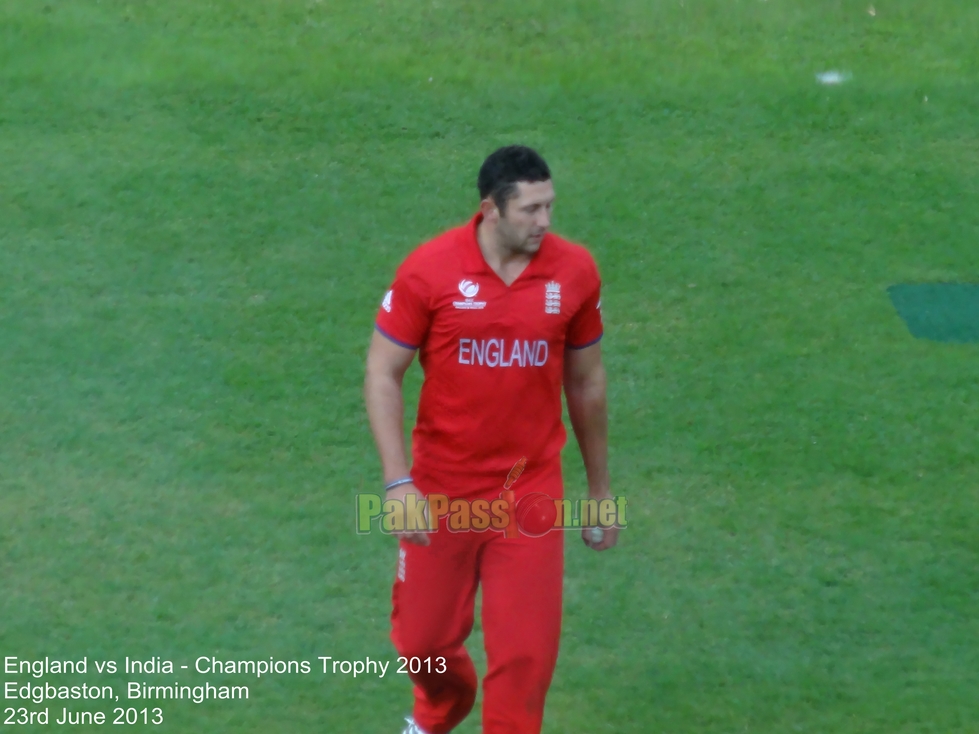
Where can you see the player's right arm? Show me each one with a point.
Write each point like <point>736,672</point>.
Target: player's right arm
<point>387,363</point>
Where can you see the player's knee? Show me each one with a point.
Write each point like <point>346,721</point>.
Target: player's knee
<point>429,641</point>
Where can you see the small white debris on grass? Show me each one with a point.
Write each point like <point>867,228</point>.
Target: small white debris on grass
<point>832,77</point>
<point>871,11</point>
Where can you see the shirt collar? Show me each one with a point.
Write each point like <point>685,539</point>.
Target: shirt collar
<point>472,257</point>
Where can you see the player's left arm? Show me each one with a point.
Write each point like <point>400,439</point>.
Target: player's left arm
<point>584,387</point>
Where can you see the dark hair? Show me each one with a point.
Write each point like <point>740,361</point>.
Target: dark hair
<point>500,172</point>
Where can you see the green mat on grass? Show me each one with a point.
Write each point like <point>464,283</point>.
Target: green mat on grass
<point>942,312</point>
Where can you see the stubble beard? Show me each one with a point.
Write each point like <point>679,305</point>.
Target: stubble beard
<point>516,245</point>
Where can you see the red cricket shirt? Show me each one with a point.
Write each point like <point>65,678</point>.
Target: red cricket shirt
<point>493,355</point>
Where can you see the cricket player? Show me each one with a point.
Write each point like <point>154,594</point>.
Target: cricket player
<point>503,314</point>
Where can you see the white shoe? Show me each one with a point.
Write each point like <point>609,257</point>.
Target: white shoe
<point>412,727</point>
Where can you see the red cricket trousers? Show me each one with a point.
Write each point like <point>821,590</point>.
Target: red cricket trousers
<point>433,605</point>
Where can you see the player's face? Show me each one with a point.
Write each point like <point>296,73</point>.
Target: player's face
<point>527,217</point>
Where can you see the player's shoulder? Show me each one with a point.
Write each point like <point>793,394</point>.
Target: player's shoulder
<point>434,254</point>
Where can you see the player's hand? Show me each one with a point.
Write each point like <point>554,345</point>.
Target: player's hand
<point>607,537</point>
<point>401,493</point>
<point>610,536</point>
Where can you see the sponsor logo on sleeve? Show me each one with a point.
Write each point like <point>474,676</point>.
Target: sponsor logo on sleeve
<point>469,289</point>
<point>386,303</point>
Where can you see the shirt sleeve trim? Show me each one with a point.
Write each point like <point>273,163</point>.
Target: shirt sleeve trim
<point>391,338</point>
<point>585,346</point>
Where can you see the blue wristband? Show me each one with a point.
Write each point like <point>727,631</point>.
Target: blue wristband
<point>397,483</point>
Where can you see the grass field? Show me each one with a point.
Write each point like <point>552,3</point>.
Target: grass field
<point>201,204</point>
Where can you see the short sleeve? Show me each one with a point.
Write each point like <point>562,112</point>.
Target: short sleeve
<point>585,327</point>
<point>404,315</point>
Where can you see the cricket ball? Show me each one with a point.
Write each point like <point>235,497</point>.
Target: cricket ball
<point>536,514</point>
